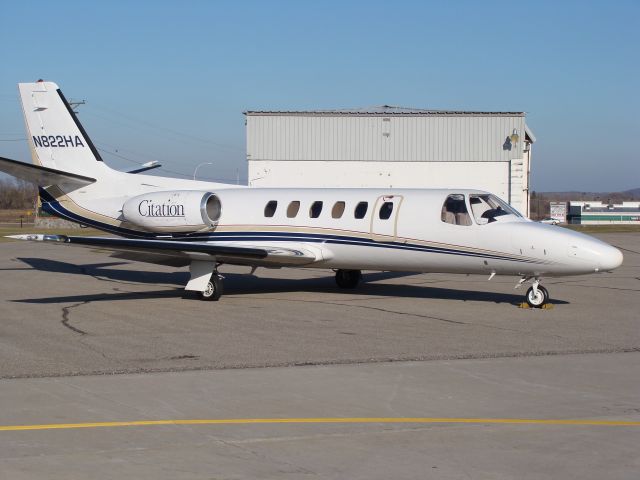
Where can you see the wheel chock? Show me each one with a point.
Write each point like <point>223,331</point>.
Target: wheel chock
<point>546,306</point>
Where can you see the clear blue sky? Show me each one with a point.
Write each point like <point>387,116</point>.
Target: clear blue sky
<point>170,80</point>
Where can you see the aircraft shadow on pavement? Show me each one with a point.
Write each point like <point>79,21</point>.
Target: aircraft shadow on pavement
<point>246,284</point>
<point>243,284</point>
<point>102,270</point>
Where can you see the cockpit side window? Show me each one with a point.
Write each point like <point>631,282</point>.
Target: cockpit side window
<point>488,208</point>
<point>454,210</point>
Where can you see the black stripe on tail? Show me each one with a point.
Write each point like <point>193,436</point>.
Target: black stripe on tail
<point>93,148</point>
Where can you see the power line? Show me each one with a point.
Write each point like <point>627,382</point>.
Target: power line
<point>166,170</point>
<point>119,156</point>
<point>145,156</point>
<point>166,129</point>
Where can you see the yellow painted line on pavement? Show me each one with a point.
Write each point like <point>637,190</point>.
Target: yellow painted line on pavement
<point>363,420</point>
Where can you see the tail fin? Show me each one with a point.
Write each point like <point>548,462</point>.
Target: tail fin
<point>56,138</point>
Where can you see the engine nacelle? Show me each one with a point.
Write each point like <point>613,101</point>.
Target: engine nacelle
<point>175,211</point>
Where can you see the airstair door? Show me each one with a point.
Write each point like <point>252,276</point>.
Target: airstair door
<point>384,221</point>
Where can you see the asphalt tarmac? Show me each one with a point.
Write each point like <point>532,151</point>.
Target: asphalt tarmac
<point>490,404</point>
<point>568,417</point>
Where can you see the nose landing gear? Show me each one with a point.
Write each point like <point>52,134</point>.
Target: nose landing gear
<point>537,296</point>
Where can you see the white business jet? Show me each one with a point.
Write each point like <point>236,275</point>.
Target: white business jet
<point>203,225</point>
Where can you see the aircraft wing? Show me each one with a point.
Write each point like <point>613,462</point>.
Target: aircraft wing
<point>42,176</point>
<point>180,253</point>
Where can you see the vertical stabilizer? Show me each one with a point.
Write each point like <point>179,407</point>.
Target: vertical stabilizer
<point>56,138</point>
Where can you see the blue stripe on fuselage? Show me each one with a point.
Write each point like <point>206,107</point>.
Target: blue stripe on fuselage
<point>52,206</point>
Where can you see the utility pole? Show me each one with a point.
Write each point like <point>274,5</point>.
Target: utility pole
<point>36,204</point>
<point>75,103</point>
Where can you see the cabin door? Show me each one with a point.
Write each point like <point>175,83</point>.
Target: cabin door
<point>384,219</point>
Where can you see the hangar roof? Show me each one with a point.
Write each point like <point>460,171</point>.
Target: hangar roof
<point>384,110</point>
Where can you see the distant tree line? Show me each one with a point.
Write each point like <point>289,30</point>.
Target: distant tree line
<point>17,194</point>
<point>539,204</point>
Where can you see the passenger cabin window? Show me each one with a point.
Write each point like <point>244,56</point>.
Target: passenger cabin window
<point>361,210</point>
<point>487,208</point>
<point>270,209</point>
<point>316,208</point>
<point>293,208</point>
<point>337,210</point>
<point>385,210</point>
<point>454,211</point>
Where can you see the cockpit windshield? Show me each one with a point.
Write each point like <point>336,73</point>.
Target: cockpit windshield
<point>488,208</point>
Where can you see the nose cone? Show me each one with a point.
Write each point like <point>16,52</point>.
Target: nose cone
<point>610,258</point>
<point>590,254</point>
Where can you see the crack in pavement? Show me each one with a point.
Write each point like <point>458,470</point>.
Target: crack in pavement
<point>446,320</point>
<point>246,449</point>
<point>575,283</point>
<point>67,310</point>
<point>315,363</point>
<point>65,322</point>
<point>627,250</point>
<point>417,315</point>
<point>65,317</point>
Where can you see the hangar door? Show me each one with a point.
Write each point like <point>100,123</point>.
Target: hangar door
<point>384,221</point>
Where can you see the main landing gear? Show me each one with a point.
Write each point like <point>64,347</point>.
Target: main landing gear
<point>537,296</point>
<point>214,288</point>
<point>348,278</point>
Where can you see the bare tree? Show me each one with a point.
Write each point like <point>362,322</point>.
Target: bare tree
<point>16,194</point>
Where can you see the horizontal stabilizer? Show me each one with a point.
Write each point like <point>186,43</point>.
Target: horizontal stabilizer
<point>42,176</point>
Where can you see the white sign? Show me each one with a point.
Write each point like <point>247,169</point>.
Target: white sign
<point>558,211</point>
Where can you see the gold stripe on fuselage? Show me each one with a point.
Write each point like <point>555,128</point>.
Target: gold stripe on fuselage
<point>69,204</point>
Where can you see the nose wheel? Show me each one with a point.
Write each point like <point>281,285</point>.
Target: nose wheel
<point>537,296</point>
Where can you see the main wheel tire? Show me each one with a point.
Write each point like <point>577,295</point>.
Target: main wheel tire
<point>348,278</point>
<point>214,289</point>
<point>537,301</point>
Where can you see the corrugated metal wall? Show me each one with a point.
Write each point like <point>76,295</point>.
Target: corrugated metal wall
<point>490,176</point>
<point>437,138</point>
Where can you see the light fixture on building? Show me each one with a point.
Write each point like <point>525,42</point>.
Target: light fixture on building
<point>514,137</point>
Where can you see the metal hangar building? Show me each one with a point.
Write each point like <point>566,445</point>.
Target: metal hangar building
<point>392,147</point>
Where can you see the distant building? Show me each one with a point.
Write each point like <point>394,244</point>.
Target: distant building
<point>392,147</point>
<point>598,213</point>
